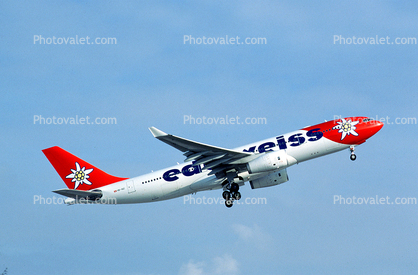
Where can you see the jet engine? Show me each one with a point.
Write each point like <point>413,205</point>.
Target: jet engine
<point>271,179</point>
<point>270,161</point>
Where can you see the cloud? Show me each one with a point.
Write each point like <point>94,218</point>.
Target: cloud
<point>225,265</point>
<point>219,265</point>
<point>253,235</point>
<point>245,232</point>
<point>192,268</point>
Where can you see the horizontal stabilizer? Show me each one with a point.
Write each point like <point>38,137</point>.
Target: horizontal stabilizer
<point>78,194</point>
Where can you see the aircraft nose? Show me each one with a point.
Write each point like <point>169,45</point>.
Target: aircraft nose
<point>371,127</point>
<point>379,125</point>
<point>375,126</point>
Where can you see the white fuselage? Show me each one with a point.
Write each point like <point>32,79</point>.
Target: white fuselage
<point>154,186</point>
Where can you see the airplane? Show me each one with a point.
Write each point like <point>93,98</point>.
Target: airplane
<point>206,167</point>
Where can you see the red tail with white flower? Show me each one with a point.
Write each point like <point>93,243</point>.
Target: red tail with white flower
<point>77,173</point>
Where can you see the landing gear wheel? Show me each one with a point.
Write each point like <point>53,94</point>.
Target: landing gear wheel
<point>234,187</point>
<point>353,156</point>
<point>230,193</point>
<point>226,195</point>
<point>229,203</point>
<point>237,196</point>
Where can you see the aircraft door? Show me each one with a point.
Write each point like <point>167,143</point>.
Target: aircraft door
<point>130,186</point>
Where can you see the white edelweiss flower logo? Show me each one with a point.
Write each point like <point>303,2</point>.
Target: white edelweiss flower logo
<point>346,128</point>
<point>79,176</point>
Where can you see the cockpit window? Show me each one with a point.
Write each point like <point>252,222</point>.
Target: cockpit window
<point>367,119</point>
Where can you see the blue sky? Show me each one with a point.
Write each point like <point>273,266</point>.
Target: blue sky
<point>151,78</point>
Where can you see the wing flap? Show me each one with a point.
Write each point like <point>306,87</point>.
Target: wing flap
<point>204,160</point>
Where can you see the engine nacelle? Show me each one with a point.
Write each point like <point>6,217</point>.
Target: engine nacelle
<point>272,179</point>
<point>270,161</point>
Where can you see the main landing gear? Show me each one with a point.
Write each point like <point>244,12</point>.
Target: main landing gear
<point>352,156</point>
<point>231,193</point>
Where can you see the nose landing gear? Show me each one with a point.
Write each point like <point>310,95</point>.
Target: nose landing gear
<point>231,193</point>
<point>352,156</point>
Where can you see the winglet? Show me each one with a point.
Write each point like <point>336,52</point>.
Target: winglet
<point>156,133</point>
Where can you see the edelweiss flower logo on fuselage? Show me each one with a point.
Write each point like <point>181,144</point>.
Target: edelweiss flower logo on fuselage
<point>79,176</point>
<point>346,128</point>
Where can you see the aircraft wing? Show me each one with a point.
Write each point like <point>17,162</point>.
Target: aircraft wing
<point>215,158</point>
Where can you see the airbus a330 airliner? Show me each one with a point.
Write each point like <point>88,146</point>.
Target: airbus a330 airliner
<point>208,167</point>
